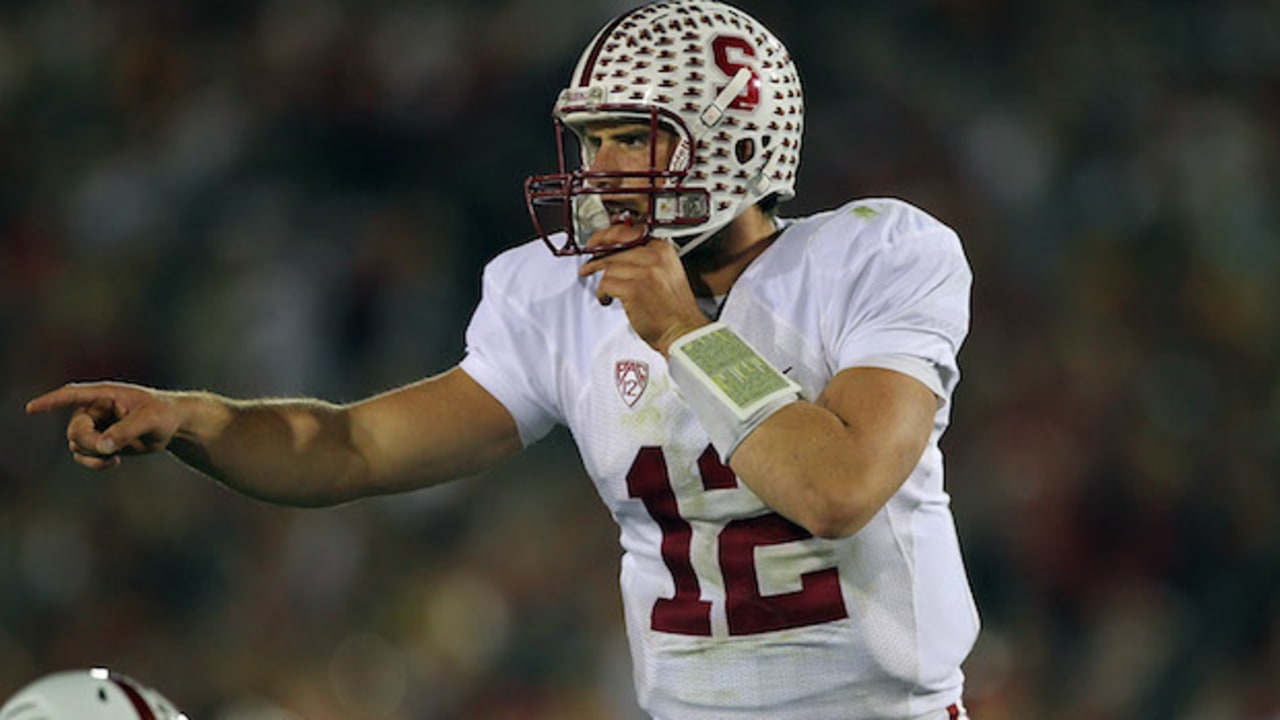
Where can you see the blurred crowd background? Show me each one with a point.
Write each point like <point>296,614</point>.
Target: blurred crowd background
<point>295,197</point>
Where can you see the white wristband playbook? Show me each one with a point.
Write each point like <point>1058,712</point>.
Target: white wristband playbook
<point>727,384</point>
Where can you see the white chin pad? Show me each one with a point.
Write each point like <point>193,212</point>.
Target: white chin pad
<point>589,216</point>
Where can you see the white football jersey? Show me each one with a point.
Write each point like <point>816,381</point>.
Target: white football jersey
<point>732,611</point>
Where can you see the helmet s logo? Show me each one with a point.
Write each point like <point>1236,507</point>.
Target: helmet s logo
<point>631,377</point>
<point>721,45</point>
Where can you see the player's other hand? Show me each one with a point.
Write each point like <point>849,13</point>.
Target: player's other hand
<point>652,285</point>
<point>110,420</point>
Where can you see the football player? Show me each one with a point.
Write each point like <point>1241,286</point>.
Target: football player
<point>758,400</point>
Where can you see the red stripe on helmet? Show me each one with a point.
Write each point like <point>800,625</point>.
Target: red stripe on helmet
<point>596,49</point>
<point>134,695</point>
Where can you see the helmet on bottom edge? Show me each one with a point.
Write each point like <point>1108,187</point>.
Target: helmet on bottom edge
<point>96,694</point>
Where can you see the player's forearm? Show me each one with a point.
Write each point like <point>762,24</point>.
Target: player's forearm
<point>806,464</point>
<point>288,452</point>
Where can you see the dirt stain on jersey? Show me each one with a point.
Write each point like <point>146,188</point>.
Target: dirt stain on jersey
<point>866,212</point>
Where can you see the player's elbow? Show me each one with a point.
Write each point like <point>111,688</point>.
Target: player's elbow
<point>837,528</point>
<point>839,519</point>
<point>844,503</point>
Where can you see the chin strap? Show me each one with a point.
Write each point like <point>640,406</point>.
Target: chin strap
<point>757,186</point>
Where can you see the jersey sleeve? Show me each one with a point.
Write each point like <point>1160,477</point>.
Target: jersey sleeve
<point>906,298</point>
<point>511,358</point>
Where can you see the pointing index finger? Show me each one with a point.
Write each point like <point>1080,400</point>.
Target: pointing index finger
<point>69,395</point>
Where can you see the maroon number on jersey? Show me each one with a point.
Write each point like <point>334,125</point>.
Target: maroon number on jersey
<point>686,613</point>
<point>747,611</point>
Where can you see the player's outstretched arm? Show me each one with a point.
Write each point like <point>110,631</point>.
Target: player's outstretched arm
<point>295,452</point>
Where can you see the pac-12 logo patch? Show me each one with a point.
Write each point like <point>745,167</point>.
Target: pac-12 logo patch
<point>631,377</point>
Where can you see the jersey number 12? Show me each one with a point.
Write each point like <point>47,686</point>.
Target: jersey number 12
<point>747,611</point>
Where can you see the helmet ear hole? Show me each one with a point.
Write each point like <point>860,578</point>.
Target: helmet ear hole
<point>745,149</point>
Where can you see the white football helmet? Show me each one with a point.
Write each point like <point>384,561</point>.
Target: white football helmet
<point>96,694</point>
<point>703,70</point>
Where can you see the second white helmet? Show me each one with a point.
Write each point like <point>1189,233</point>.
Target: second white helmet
<point>96,694</point>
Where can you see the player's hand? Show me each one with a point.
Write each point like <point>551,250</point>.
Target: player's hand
<point>110,420</point>
<point>650,282</point>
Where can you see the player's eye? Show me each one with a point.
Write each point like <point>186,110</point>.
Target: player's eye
<point>633,140</point>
